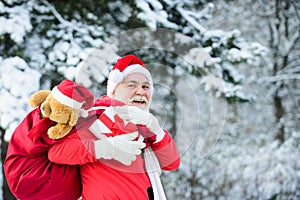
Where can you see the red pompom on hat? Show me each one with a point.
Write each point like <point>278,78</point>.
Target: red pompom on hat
<point>74,95</point>
<point>124,66</point>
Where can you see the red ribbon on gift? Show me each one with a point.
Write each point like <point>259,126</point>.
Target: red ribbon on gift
<point>119,126</point>
<point>149,137</point>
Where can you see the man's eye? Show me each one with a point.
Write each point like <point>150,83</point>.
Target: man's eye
<point>131,85</point>
<point>146,87</point>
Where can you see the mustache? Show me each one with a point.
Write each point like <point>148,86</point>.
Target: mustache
<point>139,98</point>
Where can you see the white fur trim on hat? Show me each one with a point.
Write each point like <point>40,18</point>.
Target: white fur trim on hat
<point>136,68</point>
<point>59,96</point>
<point>115,77</point>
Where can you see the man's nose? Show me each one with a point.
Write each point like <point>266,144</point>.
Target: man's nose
<point>140,90</point>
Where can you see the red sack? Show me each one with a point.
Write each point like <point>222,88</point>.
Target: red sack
<point>29,173</point>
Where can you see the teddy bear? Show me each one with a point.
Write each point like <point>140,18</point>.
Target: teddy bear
<point>64,105</point>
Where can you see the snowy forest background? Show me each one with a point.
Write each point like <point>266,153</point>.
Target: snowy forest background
<point>226,72</point>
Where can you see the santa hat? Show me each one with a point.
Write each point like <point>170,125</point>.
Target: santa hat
<point>74,95</point>
<point>126,65</point>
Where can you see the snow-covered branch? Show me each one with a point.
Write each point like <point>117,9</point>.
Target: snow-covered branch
<point>290,44</point>
<point>60,18</point>
<point>190,18</point>
<point>290,69</point>
<point>283,77</point>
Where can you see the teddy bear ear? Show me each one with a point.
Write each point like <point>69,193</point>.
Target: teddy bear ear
<point>38,98</point>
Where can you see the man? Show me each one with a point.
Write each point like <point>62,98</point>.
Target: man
<point>114,166</point>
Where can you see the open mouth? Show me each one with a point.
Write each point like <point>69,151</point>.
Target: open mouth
<point>139,101</point>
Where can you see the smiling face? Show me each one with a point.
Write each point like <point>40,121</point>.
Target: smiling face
<point>134,90</point>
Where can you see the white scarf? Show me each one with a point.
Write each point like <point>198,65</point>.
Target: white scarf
<point>153,169</point>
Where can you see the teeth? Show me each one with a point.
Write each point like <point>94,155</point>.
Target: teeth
<point>137,99</point>
<point>141,99</point>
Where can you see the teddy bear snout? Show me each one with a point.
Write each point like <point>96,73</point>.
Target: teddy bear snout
<point>46,109</point>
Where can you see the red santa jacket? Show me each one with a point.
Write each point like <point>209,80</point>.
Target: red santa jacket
<point>109,179</point>
<point>29,173</point>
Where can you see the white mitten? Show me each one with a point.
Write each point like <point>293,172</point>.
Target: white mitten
<point>139,116</point>
<point>121,147</point>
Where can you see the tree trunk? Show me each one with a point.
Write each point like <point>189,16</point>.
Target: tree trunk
<point>174,103</point>
<point>279,113</point>
<point>280,62</point>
